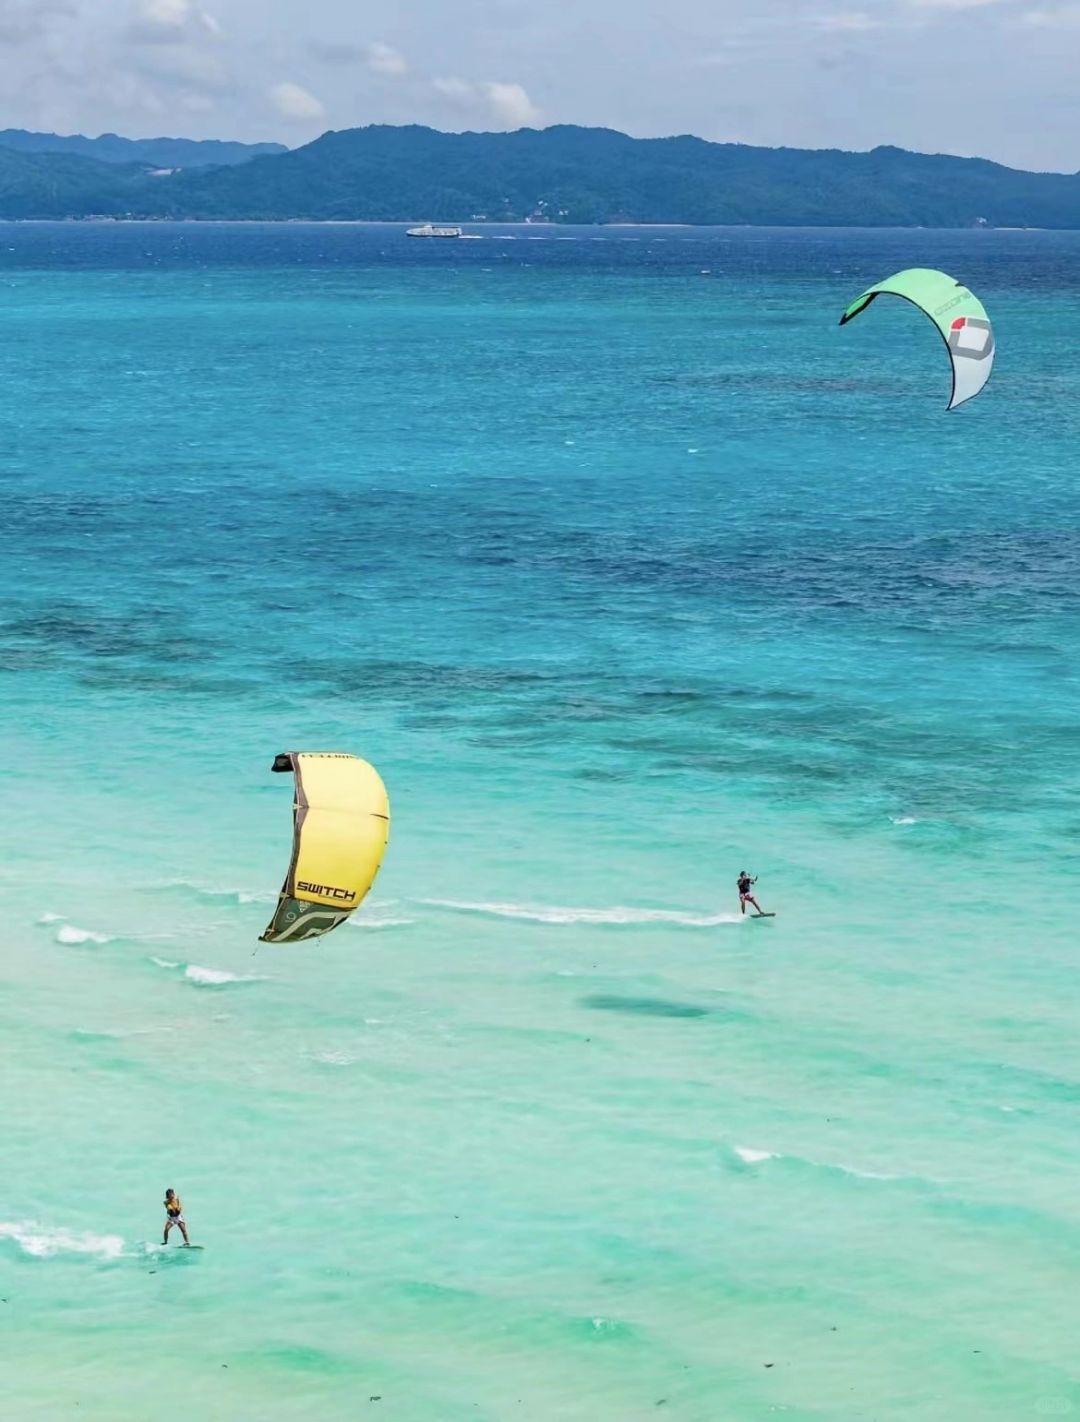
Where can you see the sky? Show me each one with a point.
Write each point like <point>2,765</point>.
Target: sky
<point>993,78</point>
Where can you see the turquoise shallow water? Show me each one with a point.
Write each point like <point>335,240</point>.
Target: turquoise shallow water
<point>628,569</point>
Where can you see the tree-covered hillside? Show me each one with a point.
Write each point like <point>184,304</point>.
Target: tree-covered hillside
<point>564,174</point>
<point>157,152</point>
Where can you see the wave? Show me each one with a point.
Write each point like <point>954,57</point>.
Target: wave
<point>747,1155</point>
<point>72,935</point>
<point>217,977</point>
<point>207,977</point>
<point>754,1157</point>
<point>903,819</point>
<point>68,934</point>
<point>210,893</point>
<point>617,917</point>
<point>369,923</point>
<point>42,1243</point>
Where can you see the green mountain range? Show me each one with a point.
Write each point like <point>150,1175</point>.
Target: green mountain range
<point>561,174</point>
<point>157,152</point>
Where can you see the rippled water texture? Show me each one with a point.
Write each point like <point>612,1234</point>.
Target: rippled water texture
<point>629,569</point>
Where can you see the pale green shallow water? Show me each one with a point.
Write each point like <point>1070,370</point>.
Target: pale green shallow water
<point>624,579</point>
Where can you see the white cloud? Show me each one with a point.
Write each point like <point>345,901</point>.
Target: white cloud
<point>455,89</point>
<point>511,105</point>
<point>379,57</point>
<point>295,103</point>
<point>506,105</point>
<point>383,58</point>
<point>170,22</point>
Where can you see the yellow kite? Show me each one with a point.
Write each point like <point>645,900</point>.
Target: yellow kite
<point>341,825</point>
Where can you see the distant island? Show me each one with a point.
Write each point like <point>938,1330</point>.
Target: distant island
<point>154,152</point>
<point>562,174</point>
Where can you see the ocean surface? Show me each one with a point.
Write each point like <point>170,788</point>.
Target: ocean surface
<point>629,569</point>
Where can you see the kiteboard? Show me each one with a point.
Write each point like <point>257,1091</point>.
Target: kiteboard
<point>193,1246</point>
<point>763,915</point>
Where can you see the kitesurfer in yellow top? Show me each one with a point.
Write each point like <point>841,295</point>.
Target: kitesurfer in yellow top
<point>174,1216</point>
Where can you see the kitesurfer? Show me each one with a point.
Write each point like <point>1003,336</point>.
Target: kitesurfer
<point>174,1216</point>
<point>745,896</point>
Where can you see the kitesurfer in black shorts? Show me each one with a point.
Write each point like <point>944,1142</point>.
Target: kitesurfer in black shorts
<point>745,896</point>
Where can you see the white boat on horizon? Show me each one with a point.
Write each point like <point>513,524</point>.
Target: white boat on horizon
<point>427,230</point>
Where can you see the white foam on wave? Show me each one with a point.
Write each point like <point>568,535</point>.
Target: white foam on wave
<point>618,916</point>
<point>68,934</point>
<point>207,977</point>
<point>750,1156</point>
<point>42,1242</point>
<point>373,921</point>
<point>217,977</point>
<point>854,1170</point>
<point>903,819</point>
<point>340,1059</point>
<point>51,918</point>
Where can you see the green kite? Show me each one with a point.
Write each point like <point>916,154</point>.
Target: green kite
<point>959,316</point>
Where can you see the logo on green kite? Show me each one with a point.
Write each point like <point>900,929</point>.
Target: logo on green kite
<point>971,337</point>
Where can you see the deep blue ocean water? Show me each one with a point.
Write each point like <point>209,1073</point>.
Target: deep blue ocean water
<point>628,569</point>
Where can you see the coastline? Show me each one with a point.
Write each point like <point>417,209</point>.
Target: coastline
<point>523,226</point>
